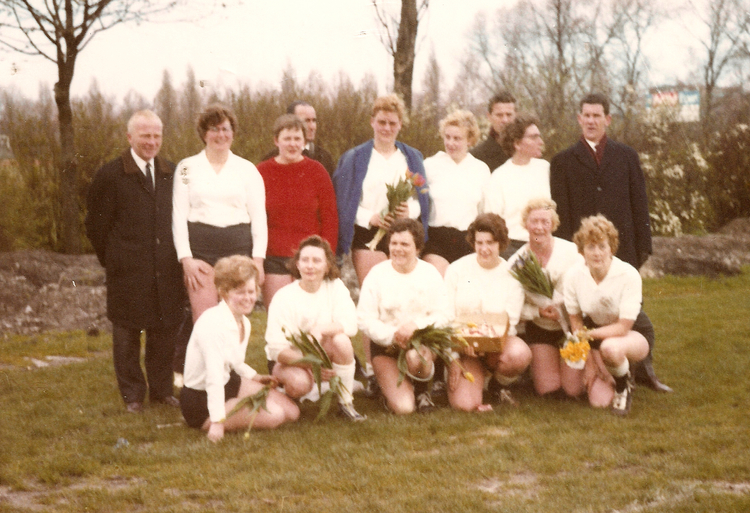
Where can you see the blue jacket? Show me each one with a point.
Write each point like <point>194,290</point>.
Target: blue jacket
<point>347,181</point>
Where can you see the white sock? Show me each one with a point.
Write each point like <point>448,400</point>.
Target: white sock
<point>620,370</point>
<point>369,371</point>
<point>346,373</point>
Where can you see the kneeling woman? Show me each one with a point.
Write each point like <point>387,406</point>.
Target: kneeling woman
<point>216,375</point>
<point>317,303</point>
<point>398,297</point>
<point>481,283</point>
<point>604,294</point>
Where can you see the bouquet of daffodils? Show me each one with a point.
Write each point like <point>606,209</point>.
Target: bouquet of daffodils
<point>258,401</point>
<point>314,355</point>
<point>441,341</point>
<point>405,188</point>
<point>576,348</point>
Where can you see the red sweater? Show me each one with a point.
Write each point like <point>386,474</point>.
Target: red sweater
<point>299,202</point>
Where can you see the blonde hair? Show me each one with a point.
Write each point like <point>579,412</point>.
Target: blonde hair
<point>234,271</point>
<point>462,119</point>
<point>390,103</point>
<point>595,229</point>
<point>541,204</point>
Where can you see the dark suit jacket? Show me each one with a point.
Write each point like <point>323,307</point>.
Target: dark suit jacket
<point>130,228</point>
<point>490,152</point>
<point>616,189</point>
<point>318,153</point>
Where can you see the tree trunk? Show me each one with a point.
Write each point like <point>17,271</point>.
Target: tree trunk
<point>403,59</point>
<point>70,225</point>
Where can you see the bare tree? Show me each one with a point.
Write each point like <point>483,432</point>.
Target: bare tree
<point>399,36</point>
<point>58,30</point>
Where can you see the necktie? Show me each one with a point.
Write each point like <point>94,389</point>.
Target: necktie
<point>149,177</point>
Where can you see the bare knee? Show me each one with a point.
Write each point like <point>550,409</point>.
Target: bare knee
<point>401,405</point>
<point>341,349</point>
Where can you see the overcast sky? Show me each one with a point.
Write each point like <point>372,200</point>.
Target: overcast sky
<point>253,42</point>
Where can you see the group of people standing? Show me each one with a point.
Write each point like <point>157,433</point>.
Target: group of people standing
<point>217,230</point>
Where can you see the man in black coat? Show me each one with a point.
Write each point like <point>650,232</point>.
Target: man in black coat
<point>501,111</point>
<point>600,176</point>
<point>129,223</point>
<point>306,113</point>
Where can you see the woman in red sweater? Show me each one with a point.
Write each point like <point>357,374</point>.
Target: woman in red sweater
<point>299,202</point>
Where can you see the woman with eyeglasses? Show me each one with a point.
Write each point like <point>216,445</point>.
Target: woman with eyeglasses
<point>219,209</point>
<point>524,176</point>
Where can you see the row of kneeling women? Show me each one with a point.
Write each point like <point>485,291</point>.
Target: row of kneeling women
<point>403,294</point>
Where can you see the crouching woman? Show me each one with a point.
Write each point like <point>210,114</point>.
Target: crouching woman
<point>216,375</point>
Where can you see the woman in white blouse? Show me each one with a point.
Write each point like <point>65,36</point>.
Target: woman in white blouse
<point>524,176</point>
<point>544,318</point>
<point>216,375</point>
<point>398,297</point>
<point>218,208</point>
<point>317,303</point>
<point>605,294</point>
<point>455,182</point>
<point>480,283</point>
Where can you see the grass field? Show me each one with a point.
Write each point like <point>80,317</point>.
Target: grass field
<point>67,445</point>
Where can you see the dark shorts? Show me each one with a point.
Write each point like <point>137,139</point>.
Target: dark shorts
<point>276,265</point>
<point>378,350</point>
<point>449,243</point>
<point>363,236</point>
<point>210,243</point>
<point>536,335</point>
<point>194,403</point>
<point>596,343</point>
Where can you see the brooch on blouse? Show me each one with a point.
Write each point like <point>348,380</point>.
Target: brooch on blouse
<point>184,174</point>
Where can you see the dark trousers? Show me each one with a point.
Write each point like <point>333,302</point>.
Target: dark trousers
<point>126,355</point>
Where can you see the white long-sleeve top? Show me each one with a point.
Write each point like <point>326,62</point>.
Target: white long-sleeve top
<point>389,299</point>
<point>381,171</point>
<point>618,296</point>
<point>214,350</point>
<point>564,256</point>
<point>455,189</point>
<point>511,187</point>
<point>473,289</point>
<point>296,310</point>
<point>235,195</point>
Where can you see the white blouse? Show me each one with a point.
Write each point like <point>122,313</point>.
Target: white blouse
<point>235,195</point>
<point>455,189</point>
<point>214,350</point>
<point>511,187</point>
<point>389,299</point>
<point>473,289</point>
<point>381,171</point>
<point>618,296</point>
<point>296,310</point>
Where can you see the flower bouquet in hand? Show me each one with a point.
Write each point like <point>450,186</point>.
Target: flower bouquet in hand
<point>576,348</point>
<point>441,341</point>
<point>314,355</point>
<point>405,188</point>
<point>536,283</point>
<point>258,401</point>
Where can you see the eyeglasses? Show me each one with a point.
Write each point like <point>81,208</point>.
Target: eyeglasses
<point>217,129</point>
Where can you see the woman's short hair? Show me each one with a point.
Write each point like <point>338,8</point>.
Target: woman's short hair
<point>462,119</point>
<point>596,229</point>
<point>234,271</point>
<point>316,241</point>
<point>515,131</point>
<point>541,204</point>
<point>215,115</point>
<point>408,225</point>
<point>287,122</point>
<point>390,103</point>
<point>492,224</point>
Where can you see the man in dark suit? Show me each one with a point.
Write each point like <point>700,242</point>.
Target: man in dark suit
<point>501,111</point>
<point>129,223</point>
<point>600,176</point>
<point>306,113</point>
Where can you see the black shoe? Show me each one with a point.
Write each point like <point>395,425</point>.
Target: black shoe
<point>439,389</point>
<point>169,400</point>
<point>424,403</point>
<point>622,400</point>
<point>134,407</point>
<point>499,394</point>
<point>347,411</point>
<point>372,389</point>
<point>645,374</point>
